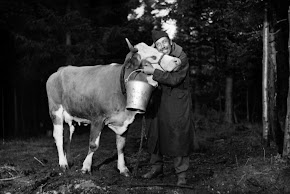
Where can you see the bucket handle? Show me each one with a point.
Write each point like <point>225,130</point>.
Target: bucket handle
<point>127,79</point>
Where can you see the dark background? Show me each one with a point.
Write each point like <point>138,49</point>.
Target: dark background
<point>33,42</point>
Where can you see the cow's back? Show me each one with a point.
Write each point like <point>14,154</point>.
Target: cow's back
<point>86,92</point>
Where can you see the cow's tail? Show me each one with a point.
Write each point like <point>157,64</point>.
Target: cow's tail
<point>54,91</point>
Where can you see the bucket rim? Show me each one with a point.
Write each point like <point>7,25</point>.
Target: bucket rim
<point>139,82</point>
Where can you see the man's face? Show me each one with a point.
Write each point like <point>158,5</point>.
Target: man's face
<point>163,45</point>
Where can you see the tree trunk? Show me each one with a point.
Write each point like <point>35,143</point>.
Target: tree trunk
<point>265,117</point>
<point>35,123</point>
<point>272,86</point>
<point>286,146</point>
<point>256,100</point>
<point>68,39</point>
<point>236,120</point>
<point>68,34</point>
<point>228,102</point>
<point>22,113</point>
<point>220,103</point>
<point>247,104</point>
<point>3,119</point>
<point>15,112</point>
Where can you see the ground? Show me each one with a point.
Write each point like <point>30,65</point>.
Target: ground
<point>230,159</point>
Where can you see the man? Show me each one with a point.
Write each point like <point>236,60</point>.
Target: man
<point>171,130</point>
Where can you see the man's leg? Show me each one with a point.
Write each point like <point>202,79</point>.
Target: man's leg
<point>181,165</point>
<point>156,162</point>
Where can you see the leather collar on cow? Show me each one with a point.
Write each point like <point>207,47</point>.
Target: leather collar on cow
<point>128,63</point>
<point>122,81</point>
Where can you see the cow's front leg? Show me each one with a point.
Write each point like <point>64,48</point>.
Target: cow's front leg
<point>121,140</point>
<point>94,143</point>
<point>58,137</point>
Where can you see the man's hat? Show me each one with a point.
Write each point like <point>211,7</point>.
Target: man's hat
<point>158,34</point>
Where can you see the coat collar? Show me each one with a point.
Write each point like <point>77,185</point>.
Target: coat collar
<point>175,50</point>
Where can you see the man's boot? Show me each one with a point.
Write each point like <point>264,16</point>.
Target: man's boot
<point>181,178</point>
<point>154,172</point>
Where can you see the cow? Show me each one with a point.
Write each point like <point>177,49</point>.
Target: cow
<point>96,95</point>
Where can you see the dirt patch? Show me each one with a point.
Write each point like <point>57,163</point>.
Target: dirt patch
<point>226,162</point>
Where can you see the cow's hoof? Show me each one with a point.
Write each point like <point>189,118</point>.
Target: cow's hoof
<point>86,171</point>
<point>63,167</point>
<point>125,173</point>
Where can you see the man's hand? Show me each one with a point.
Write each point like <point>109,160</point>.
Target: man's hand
<point>148,68</point>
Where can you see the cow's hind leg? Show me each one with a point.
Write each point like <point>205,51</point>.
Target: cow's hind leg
<point>58,137</point>
<point>95,133</point>
<point>68,132</point>
<point>67,136</point>
<point>120,141</point>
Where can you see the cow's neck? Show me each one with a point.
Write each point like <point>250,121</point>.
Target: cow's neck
<point>122,81</point>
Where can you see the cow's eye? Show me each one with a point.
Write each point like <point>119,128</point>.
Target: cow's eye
<point>153,57</point>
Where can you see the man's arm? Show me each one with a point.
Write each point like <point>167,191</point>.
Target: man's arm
<point>172,78</point>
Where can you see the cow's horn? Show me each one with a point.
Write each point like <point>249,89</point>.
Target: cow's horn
<point>132,49</point>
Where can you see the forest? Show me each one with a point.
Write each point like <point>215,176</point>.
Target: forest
<point>238,53</point>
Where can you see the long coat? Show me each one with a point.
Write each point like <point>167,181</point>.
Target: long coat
<point>171,130</point>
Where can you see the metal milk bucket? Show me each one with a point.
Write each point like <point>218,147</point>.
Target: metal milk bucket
<point>138,94</point>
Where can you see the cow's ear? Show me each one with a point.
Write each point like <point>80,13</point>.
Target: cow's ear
<point>153,45</point>
<point>132,49</point>
<point>129,60</point>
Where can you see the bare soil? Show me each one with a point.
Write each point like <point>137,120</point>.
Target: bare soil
<point>230,159</point>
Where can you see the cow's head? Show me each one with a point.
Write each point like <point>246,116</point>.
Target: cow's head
<point>142,52</point>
